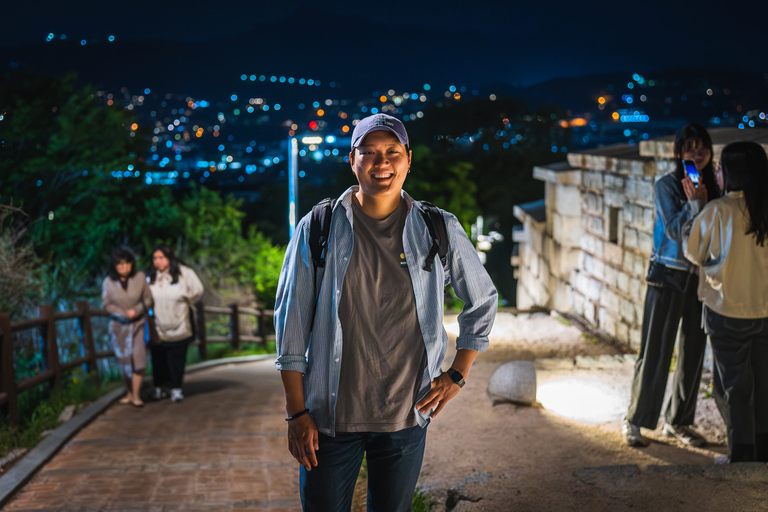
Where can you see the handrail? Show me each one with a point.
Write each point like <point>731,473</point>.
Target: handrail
<point>53,367</point>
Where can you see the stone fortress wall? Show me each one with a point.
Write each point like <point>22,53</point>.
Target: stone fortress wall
<point>586,249</point>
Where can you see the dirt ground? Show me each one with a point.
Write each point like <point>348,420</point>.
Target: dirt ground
<point>508,457</point>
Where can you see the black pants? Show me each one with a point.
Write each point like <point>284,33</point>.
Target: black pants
<point>169,358</point>
<point>741,383</point>
<point>664,308</point>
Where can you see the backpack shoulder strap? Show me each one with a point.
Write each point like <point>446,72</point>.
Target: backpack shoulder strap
<point>319,230</point>
<point>437,231</point>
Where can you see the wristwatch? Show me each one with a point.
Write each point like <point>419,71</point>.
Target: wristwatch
<point>456,377</point>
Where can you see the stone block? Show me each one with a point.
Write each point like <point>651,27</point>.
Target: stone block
<point>627,311</point>
<point>647,223</point>
<point>630,237</point>
<point>635,288</point>
<point>635,338</point>
<point>567,200</point>
<point>630,189</point>
<point>536,237</point>
<point>578,303</point>
<point>613,254</point>
<point>609,300</point>
<point>645,191</point>
<point>514,382</point>
<point>622,332</point>
<point>592,180</point>
<point>645,243</point>
<point>566,229</point>
<point>590,312</point>
<point>592,203</point>
<point>606,321</point>
<point>562,297</point>
<point>589,243</point>
<point>614,198</point>
<point>609,275</point>
<point>622,282</point>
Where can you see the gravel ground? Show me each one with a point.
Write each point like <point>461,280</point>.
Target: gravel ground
<point>566,452</point>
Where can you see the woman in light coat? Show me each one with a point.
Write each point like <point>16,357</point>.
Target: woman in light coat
<point>175,289</point>
<point>728,239</point>
<point>125,294</point>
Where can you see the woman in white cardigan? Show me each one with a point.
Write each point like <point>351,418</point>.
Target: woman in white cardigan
<point>728,239</point>
<point>175,289</point>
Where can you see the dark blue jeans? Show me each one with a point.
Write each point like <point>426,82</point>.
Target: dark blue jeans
<point>394,462</point>
<point>740,347</point>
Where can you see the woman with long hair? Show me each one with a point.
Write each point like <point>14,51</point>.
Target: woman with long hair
<point>126,296</point>
<point>175,289</point>
<point>670,298</point>
<point>729,242</point>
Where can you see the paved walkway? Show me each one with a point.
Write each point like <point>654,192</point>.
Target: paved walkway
<point>222,448</point>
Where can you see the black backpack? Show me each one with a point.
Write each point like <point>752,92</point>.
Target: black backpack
<point>320,228</point>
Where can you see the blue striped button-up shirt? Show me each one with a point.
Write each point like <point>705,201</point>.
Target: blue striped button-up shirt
<point>316,351</point>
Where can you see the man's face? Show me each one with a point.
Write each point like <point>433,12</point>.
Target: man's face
<point>380,163</point>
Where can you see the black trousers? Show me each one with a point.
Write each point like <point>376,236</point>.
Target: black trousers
<point>741,383</point>
<point>664,309</point>
<point>169,358</point>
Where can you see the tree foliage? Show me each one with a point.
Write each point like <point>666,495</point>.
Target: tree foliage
<point>75,165</point>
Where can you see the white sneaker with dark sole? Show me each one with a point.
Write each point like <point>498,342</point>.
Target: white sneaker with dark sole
<point>631,434</point>
<point>684,434</point>
<point>176,395</point>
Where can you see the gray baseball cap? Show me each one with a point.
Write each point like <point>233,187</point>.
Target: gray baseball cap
<point>379,122</point>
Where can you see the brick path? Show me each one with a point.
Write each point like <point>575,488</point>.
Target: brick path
<point>222,448</point>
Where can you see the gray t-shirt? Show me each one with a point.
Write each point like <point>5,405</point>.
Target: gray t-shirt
<point>383,352</point>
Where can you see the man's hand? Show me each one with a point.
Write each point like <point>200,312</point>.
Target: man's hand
<point>692,192</point>
<point>443,389</point>
<point>303,440</point>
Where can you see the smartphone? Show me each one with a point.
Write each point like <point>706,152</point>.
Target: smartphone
<point>691,172</point>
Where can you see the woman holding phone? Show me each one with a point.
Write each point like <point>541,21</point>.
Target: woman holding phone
<point>670,297</point>
<point>729,242</point>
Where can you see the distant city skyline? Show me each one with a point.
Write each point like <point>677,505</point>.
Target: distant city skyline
<point>540,40</point>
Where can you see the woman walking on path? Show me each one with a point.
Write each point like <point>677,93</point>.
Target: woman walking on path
<point>125,294</point>
<point>671,296</point>
<point>729,242</point>
<point>175,289</point>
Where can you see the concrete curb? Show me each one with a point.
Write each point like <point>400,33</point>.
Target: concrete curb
<point>33,460</point>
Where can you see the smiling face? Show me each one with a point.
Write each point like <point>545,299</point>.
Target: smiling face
<point>695,150</point>
<point>380,163</point>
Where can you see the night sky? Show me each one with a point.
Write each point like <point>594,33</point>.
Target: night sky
<point>541,40</point>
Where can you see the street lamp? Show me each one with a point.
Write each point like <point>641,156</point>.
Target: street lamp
<point>293,177</point>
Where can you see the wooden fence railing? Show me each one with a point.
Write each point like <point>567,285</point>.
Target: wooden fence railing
<point>54,368</point>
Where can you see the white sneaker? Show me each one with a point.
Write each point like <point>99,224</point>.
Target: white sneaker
<point>176,395</point>
<point>159,394</point>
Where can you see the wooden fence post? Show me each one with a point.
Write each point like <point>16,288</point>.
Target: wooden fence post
<point>234,326</point>
<point>86,335</point>
<point>262,326</point>
<point>8,379</point>
<point>202,348</point>
<point>51,352</point>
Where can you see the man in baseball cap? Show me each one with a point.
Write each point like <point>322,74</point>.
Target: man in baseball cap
<point>364,378</point>
<point>379,122</point>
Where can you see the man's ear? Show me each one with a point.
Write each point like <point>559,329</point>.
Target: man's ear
<point>352,159</point>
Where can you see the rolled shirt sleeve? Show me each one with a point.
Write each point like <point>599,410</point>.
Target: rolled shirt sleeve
<point>472,285</point>
<point>295,302</point>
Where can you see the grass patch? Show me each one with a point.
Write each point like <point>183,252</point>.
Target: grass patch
<point>421,502</point>
<point>40,407</point>
<point>224,350</point>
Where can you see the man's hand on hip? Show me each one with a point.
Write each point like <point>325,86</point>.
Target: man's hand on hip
<point>443,389</point>
<point>303,440</point>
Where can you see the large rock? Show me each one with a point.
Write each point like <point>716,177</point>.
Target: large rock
<point>514,382</point>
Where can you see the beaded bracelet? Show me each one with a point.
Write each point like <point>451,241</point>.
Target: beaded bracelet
<point>302,413</point>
